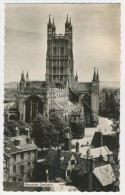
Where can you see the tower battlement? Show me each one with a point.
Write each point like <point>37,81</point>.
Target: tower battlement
<point>59,57</point>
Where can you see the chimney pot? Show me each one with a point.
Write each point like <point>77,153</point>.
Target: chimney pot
<point>16,142</point>
<point>28,132</point>
<point>77,147</point>
<point>28,140</point>
<point>17,131</point>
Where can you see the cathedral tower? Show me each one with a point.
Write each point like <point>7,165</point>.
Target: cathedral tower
<point>59,57</point>
<point>95,99</point>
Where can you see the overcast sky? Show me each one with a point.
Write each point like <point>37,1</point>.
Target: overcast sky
<point>96,39</point>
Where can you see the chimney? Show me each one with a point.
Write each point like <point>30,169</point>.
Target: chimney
<point>101,138</point>
<point>47,176</point>
<point>17,142</point>
<point>28,132</point>
<point>101,157</point>
<point>110,157</point>
<point>59,154</point>
<point>68,140</point>
<point>91,168</point>
<point>77,147</point>
<point>17,132</point>
<point>28,138</point>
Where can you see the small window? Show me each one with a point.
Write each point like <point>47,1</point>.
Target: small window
<point>33,163</point>
<point>22,169</point>
<point>62,50</point>
<point>14,157</point>
<point>29,163</point>
<point>29,154</point>
<point>14,169</point>
<point>22,156</point>
<point>72,162</point>
<point>68,172</point>
<point>20,180</point>
<point>74,118</point>
<point>54,50</point>
<point>28,177</point>
<point>14,179</point>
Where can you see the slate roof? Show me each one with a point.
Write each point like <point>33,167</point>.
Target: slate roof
<point>57,106</point>
<point>9,94</point>
<point>36,84</point>
<point>61,105</point>
<point>52,158</point>
<point>10,105</point>
<point>82,167</point>
<point>105,174</point>
<point>96,152</point>
<point>116,169</point>
<point>108,140</point>
<point>81,86</point>
<point>12,148</point>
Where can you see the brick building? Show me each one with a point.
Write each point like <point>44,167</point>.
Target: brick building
<point>20,155</point>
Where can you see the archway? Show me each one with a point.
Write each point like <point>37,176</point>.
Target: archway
<point>34,105</point>
<point>59,86</point>
<point>12,117</point>
<point>87,109</point>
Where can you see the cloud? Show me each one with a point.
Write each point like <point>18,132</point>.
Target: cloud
<point>96,38</point>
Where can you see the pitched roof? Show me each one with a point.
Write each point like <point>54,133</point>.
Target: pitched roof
<point>36,84</point>
<point>81,86</point>
<point>10,105</point>
<point>82,165</point>
<point>64,158</point>
<point>105,174</point>
<point>11,148</point>
<point>61,105</point>
<point>95,152</point>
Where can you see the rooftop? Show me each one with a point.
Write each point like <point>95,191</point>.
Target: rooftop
<point>11,148</point>
<point>95,152</point>
<point>82,165</point>
<point>81,86</point>
<point>105,174</point>
<point>53,154</point>
<point>36,84</point>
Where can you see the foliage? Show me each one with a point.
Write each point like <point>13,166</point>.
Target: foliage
<point>60,126</point>
<point>48,132</point>
<point>43,132</point>
<point>111,107</point>
<point>9,127</point>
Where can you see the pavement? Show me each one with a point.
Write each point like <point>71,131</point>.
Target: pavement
<point>105,126</point>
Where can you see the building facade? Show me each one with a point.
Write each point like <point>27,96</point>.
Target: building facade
<point>61,90</point>
<point>20,156</point>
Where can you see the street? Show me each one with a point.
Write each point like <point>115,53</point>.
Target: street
<point>105,127</point>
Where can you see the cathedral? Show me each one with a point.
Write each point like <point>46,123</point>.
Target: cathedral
<point>76,102</point>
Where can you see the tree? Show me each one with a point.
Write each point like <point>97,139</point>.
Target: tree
<point>43,132</point>
<point>9,127</point>
<point>59,126</point>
